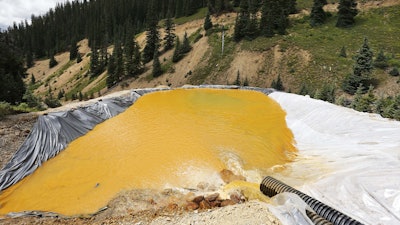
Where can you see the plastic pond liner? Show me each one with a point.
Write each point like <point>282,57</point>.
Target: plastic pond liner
<point>170,138</point>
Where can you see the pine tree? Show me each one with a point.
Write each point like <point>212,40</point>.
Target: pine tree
<point>119,62</point>
<point>318,15</point>
<point>361,71</point>
<point>152,35</point>
<point>267,22</point>
<point>394,72</point>
<point>185,48</point>
<point>53,62</point>
<point>277,84</point>
<point>157,71</point>
<point>115,66</point>
<point>29,60</point>
<point>237,81</point>
<point>73,52</point>
<point>363,65</point>
<point>33,79</point>
<point>241,21</point>
<point>359,102</point>
<point>381,60</point>
<point>207,22</point>
<point>177,52</point>
<point>246,82</point>
<point>291,6</point>
<point>78,58</point>
<point>132,60</point>
<point>31,99</point>
<point>169,34</point>
<point>347,10</point>
<point>94,63</point>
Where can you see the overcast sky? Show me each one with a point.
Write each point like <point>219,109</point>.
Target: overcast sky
<point>19,10</point>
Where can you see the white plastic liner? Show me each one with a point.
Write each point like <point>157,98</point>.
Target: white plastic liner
<point>347,159</point>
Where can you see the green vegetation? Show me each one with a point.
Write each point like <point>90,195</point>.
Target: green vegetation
<point>217,61</point>
<point>200,14</point>
<point>59,72</point>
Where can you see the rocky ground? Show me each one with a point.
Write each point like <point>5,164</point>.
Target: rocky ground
<point>202,206</point>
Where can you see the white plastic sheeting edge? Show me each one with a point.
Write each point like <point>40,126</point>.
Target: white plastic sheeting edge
<point>347,159</point>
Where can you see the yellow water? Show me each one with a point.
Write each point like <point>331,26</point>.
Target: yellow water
<point>170,138</point>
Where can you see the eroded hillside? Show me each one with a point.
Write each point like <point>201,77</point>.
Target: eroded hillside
<point>305,57</point>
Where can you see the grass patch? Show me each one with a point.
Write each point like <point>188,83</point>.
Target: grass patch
<point>60,71</point>
<point>99,86</point>
<point>324,43</point>
<point>201,14</point>
<point>217,61</point>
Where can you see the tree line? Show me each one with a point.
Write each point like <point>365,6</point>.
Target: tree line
<point>101,21</point>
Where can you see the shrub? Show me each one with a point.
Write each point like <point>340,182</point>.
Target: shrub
<point>394,71</point>
<point>5,109</point>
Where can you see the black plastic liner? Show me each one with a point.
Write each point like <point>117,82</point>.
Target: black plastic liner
<point>54,131</point>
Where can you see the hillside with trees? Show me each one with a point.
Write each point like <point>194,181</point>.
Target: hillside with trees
<point>345,51</point>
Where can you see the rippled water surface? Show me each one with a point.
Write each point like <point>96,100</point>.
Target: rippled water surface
<point>174,138</point>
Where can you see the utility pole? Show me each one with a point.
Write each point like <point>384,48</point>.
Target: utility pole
<point>223,39</point>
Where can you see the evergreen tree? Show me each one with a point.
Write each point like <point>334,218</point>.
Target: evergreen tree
<point>278,84</point>
<point>80,96</point>
<point>119,62</point>
<point>73,52</point>
<point>207,22</point>
<point>31,100</point>
<point>246,82</point>
<point>274,17</point>
<point>381,60</point>
<point>115,66</point>
<point>94,63</point>
<point>347,10</point>
<point>177,52</point>
<point>152,35</point>
<point>267,19</point>
<point>363,102</point>
<point>185,48</point>
<point>111,75</point>
<point>291,6</point>
<point>241,21</point>
<point>318,15</point>
<point>169,34</point>
<point>363,65</point>
<point>157,71</point>
<point>394,72</point>
<point>50,101</point>
<point>138,66</point>
<point>237,81</point>
<point>53,62</point>
<point>359,102</point>
<point>33,80</point>
<point>12,71</point>
<point>29,60</point>
<point>78,58</point>
<point>361,71</point>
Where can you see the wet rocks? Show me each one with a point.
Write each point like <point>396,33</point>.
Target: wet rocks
<point>212,201</point>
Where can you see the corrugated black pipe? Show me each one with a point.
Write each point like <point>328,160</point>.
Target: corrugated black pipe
<point>317,219</point>
<point>270,187</point>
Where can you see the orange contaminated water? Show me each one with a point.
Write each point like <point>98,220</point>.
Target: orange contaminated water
<point>167,138</point>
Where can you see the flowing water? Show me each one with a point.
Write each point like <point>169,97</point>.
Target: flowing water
<point>174,138</point>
